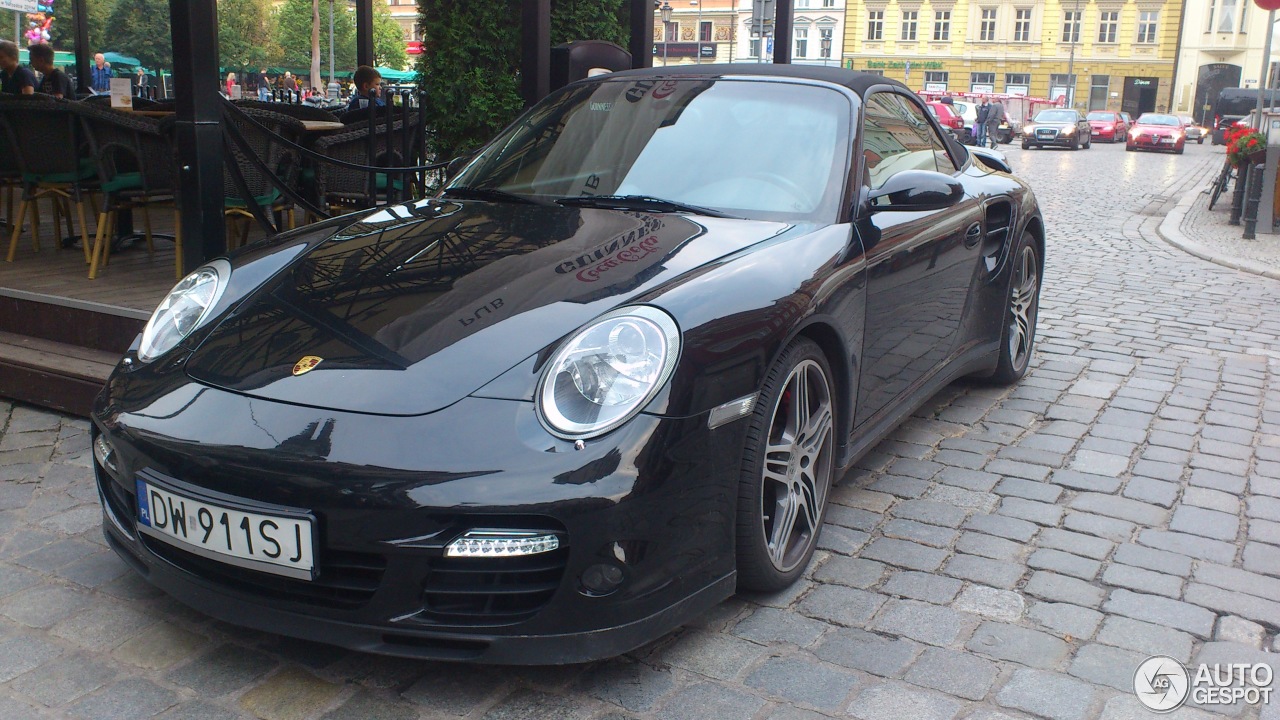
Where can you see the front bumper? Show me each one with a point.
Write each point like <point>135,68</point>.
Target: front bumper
<point>1056,139</point>
<point>653,500</point>
<point>1156,142</point>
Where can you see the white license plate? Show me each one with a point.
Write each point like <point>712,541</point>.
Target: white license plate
<point>1167,141</point>
<point>269,543</point>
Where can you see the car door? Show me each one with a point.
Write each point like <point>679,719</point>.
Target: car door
<point>919,263</point>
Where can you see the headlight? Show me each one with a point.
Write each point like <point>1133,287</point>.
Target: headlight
<point>183,309</point>
<point>1068,130</point>
<point>1177,134</point>
<point>607,372</point>
<point>1135,133</point>
<point>1107,128</point>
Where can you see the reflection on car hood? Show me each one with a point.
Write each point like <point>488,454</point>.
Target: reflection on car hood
<point>415,306</point>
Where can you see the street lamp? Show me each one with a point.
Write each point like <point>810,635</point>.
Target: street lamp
<point>666,18</point>
<point>826,48</point>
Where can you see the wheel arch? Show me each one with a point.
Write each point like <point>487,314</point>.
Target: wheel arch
<point>843,368</point>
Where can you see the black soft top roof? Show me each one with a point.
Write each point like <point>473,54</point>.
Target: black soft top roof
<point>858,82</point>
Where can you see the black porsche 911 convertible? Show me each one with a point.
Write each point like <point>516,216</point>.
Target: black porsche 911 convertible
<point>601,381</point>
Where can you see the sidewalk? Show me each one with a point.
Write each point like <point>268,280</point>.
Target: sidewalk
<point>1194,228</point>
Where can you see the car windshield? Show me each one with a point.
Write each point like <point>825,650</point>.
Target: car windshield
<point>1056,116</point>
<point>762,150</point>
<point>1154,119</point>
<point>1106,116</point>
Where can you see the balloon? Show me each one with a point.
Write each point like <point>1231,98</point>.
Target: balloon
<point>1267,4</point>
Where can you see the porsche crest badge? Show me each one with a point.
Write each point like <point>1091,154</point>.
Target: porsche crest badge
<point>306,364</point>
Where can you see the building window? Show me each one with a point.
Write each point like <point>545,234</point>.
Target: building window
<point>1226,16</point>
<point>704,31</point>
<point>875,25</point>
<point>1022,25</point>
<point>828,3</point>
<point>1098,90</point>
<point>869,71</point>
<point>910,19</point>
<point>802,4</point>
<point>802,42</point>
<point>942,25</point>
<point>987,30</point>
<point>1017,78</point>
<point>1147,26</point>
<point>1244,13</point>
<point>936,76</point>
<point>982,78</point>
<point>671,32</point>
<point>824,42</point>
<point>1108,21</point>
<point>754,49</point>
<point>1071,26</point>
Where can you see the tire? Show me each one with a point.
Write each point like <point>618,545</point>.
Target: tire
<point>1025,145</point>
<point>1088,143</point>
<point>1018,336</point>
<point>1075,144</point>
<point>1128,147</point>
<point>786,470</point>
<point>1179,150</point>
<point>1200,141</point>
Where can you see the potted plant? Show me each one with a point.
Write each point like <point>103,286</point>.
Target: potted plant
<point>1246,145</point>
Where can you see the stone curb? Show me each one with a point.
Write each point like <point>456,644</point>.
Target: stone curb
<point>1170,230</point>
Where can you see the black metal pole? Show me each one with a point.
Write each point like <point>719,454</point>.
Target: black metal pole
<point>782,33</point>
<point>535,50</point>
<point>1237,198</point>
<point>364,32</point>
<point>1253,196</point>
<point>198,129</point>
<point>641,43</point>
<point>80,15</point>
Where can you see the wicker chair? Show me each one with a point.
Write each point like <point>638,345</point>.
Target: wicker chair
<point>280,158</point>
<point>346,189</point>
<point>136,169</point>
<point>45,135</point>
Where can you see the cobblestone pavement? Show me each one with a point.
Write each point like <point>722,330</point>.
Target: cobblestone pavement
<point>1007,553</point>
<point>1193,227</point>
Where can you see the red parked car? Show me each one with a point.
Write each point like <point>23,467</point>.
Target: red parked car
<point>1107,126</point>
<point>948,117</point>
<point>1154,131</point>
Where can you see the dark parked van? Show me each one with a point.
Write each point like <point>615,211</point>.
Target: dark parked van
<point>1236,103</point>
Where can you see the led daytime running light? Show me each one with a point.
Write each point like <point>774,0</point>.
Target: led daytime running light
<point>486,543</point>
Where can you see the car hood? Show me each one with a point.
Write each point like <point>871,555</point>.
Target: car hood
<point>415,306</point>
<point>1156,129</point>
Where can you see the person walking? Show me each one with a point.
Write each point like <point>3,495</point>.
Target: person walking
<point>100,74</point>
<point>14,78</point>
<point>53,81</point>
<point>995,116</point>
<point>980,123</point>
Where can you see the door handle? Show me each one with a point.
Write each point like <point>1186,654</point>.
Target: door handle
<point>973,235</point>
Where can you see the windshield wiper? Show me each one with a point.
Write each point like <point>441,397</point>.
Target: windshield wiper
<point>637,202</point>
<point>484,193</point>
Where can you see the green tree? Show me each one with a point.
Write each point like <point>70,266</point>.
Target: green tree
<point>292,20</point>
<point>470,65</point>
<point>140,28</point>
<point>62,33</point>
<point>388,39</point>
<point>244,35</point>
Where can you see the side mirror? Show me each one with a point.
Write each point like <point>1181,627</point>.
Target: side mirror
<point>916,190</point>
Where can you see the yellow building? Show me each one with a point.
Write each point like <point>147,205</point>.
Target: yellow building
<point>1121,52</point>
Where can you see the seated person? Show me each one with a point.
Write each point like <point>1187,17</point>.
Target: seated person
<point>55,82</point>
<point>366,81</point>
<point>14,78</point>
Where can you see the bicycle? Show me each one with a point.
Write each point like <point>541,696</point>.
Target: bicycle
<point>1221,182</point>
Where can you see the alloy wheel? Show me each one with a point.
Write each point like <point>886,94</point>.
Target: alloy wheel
<point>797,466</point>
<point>1023,305</point>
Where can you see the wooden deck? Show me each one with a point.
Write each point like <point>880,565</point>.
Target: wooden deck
<point>62,333</point>
<point>133,283</point>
